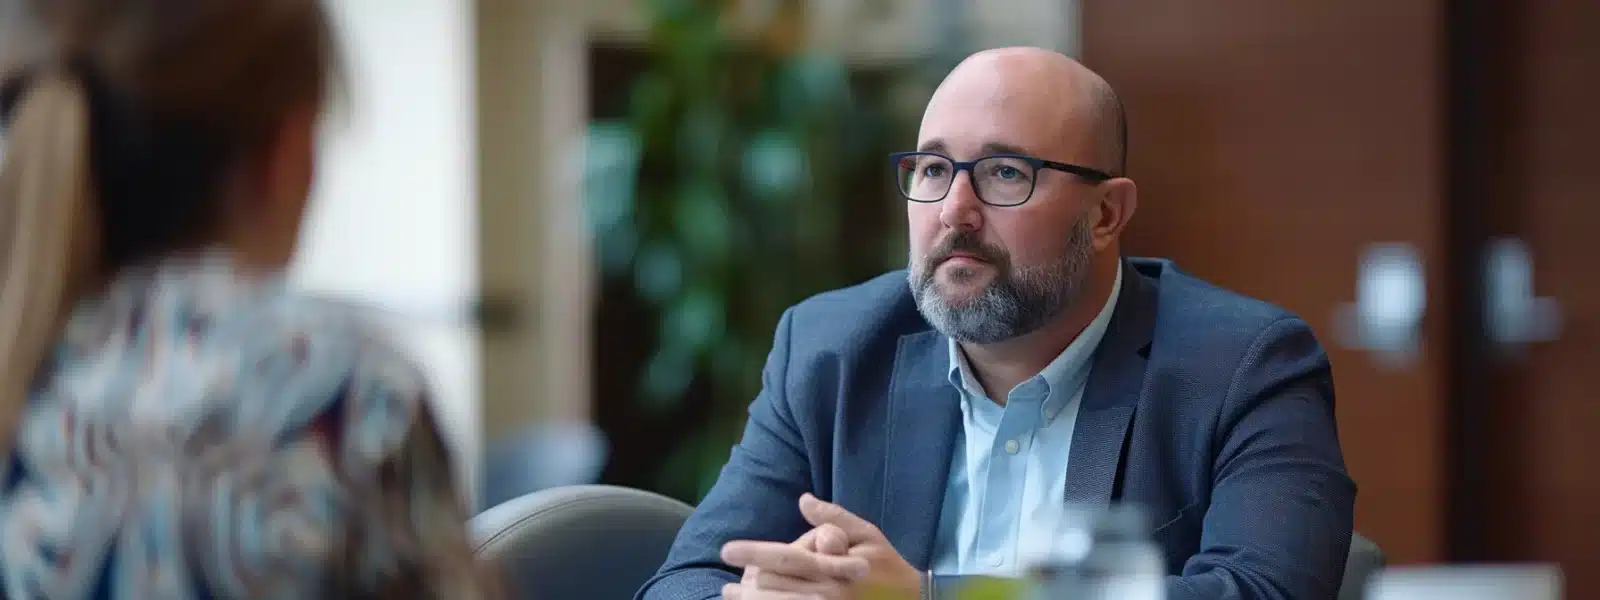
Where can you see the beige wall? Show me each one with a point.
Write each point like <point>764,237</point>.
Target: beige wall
<point>532,116</point>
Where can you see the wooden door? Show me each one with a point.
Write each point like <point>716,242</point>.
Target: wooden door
<point>1539,437</point>
<point>1273,142</point>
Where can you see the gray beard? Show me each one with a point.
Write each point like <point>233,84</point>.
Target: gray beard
<point>1017,302</point>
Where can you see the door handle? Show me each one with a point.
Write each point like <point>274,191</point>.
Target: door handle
<point>1513,317</point>
<point>1391,297</point>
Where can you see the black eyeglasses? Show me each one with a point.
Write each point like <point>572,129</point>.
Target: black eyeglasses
<point>998,180</point>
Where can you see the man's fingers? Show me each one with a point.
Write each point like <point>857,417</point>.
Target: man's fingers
<point>830,539</point>
<point>787,559</point>
<point>807,541</point>
<point>767,581</point>
<point>827,539</point>
<point>734,591</point>
<point>819,513</point>
<point>783,558</point>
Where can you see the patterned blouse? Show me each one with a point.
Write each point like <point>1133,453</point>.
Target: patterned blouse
<point>201,435</point>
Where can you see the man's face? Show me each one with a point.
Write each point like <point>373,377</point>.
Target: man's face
<point>984,274</point>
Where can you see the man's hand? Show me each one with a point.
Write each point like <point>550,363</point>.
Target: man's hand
<point>777,571</point>
<point>828,540</point>
<point>843,558</point>
<point>888,574</point>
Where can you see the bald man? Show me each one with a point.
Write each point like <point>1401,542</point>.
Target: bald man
<point>938,422</point>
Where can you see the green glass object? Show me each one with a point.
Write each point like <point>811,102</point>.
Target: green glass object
<point>970,588</point>
<point>992,588</point>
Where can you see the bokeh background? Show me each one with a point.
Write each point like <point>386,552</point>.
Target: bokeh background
<point>587,215</point>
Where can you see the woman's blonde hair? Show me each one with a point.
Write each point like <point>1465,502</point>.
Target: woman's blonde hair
<point>121,119</point>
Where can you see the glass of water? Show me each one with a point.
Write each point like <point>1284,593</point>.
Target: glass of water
<point>1100,553</point>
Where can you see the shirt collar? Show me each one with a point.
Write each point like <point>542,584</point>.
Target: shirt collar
<point>1063,376</point>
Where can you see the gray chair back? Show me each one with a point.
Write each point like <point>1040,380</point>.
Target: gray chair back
<point>1365,560</point>
<point>595,542</point>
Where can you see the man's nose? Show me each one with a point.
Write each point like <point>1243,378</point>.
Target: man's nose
<point>961,208</point>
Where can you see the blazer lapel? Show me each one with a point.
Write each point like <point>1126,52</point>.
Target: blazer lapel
<point>1099,437</point>
<point>923,422</point>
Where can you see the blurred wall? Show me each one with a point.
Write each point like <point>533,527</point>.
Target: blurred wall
<point>394,219</point>
<point>891,31</point>
<point>534,246</point>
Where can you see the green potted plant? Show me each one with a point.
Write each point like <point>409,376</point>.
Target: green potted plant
<point>724,197</point>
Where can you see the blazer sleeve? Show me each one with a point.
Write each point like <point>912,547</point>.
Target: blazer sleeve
<point>1282,505</point>
<point>755,497</point>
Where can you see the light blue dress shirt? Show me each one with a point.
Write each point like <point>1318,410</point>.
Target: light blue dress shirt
<point>1005,500</point>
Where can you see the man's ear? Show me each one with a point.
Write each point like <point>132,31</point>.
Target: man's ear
<point>1119,199</point>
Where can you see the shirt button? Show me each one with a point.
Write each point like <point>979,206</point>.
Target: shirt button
<point>1012,446</point>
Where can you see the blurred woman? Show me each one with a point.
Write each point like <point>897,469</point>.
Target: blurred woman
<point>174,423</point>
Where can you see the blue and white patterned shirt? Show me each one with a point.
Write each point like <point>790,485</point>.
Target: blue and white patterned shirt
<point>202,435</point>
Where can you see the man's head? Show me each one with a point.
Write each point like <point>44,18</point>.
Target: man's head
<point>1004,246</point>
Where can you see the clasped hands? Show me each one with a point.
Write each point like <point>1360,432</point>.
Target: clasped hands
<point>843,557</point>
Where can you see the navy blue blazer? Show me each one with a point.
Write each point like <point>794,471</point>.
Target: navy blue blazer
<point>1211,410</point>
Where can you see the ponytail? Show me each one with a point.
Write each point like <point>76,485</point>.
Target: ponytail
<point>48,232</point>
